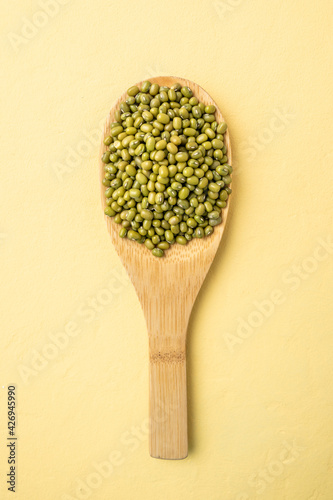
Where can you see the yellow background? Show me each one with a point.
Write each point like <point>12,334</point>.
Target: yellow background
<point>260,397</point>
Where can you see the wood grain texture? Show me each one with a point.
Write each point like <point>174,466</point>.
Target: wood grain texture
<point>167,288</point>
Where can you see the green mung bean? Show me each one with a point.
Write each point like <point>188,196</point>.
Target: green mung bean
<point>166,172</point>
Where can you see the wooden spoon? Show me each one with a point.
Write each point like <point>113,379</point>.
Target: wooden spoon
<point>167,288</point>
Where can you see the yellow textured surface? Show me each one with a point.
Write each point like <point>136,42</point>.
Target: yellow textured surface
<point>260,337</point>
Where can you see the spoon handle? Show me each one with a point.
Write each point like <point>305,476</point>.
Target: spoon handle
<point>168,404</point>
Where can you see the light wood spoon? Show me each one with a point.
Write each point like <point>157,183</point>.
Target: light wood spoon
<point>167,288</point>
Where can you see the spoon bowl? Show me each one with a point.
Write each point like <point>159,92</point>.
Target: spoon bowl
<point>167,288</point>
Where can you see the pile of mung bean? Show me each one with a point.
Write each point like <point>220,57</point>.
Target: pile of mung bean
<point>166,170</point>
